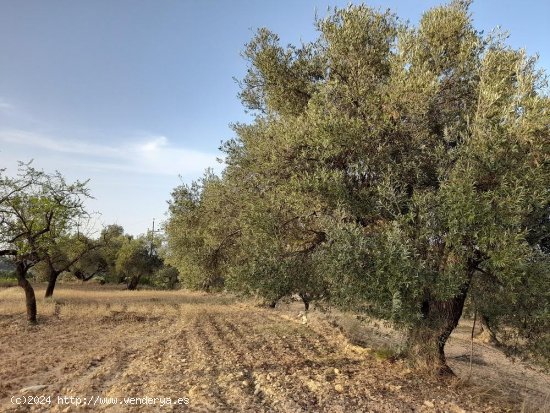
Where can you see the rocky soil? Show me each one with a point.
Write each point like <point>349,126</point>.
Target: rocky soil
<point>219,355</point>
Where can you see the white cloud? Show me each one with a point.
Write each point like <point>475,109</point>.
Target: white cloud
<point>151,155</point>
<point>5,106</point>
<point>130,181</point>
<point>154,144</point>
<point>20,137</point>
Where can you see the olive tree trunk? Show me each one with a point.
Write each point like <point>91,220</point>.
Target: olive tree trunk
<point>428,338</point>
<point>306,299</point>
<point>486,333</point>
<point>133,283</point>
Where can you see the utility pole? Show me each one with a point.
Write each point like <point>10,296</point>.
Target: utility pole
<point>152,239</point>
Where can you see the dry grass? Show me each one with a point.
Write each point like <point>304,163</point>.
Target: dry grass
<point>222,354</point>
<point>93,301</point>
<point>495,378</point>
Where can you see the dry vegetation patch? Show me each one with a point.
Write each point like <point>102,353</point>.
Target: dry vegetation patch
<point>221,354</point>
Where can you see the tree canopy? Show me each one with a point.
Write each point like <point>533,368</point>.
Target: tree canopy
<point>37,210</point>
<point>135,260</point>
<point>390,168</point>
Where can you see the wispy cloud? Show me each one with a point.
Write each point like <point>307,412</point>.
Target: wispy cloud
<point>35,140</point>
<point>5,106</point>
<point>150,155</point>
<point>154,144</point>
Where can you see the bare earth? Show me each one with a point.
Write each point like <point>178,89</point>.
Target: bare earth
<point>222,355</point>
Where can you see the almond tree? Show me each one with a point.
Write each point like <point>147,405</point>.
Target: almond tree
<point>66,252</point>
<point>35,208</point>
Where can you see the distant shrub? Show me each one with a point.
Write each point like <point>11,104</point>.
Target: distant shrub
<point>167,277</point>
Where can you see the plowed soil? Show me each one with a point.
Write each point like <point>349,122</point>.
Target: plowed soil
<point>221,355</point>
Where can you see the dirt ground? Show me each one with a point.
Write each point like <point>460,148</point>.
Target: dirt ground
<point>213,353</point>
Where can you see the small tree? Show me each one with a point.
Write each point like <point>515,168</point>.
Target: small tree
<point>134,261</point>
<point>103,259</point>
<point>35,208</point>
<point>167,277</point>
<point>200,233</point>
<point>92,264</point>
<point>73,253</point>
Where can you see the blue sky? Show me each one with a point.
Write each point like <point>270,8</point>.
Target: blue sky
<point>134,93</point>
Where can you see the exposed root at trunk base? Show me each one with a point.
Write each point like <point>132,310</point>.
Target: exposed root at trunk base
<point>431,366</point>
<point>427,350</point>
<point>439,318</point>
<point>445,371</point>
<point>487,337</point>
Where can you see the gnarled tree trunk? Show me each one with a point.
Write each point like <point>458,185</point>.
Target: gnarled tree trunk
<point>52,279</point>
<point>306,298</point>
<point>439,318</point>
<point>486,334</point>
<point>133,283</point>
<point>30,299</point>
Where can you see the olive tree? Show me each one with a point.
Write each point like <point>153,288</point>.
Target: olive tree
<point>391,168</point>
<point>134,261</point>
<point>423,153</point>
<point>200,232</point>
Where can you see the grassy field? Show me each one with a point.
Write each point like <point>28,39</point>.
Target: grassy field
<point>219,354</point>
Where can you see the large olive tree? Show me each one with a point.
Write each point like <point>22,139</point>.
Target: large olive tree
<point>394,168</point>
